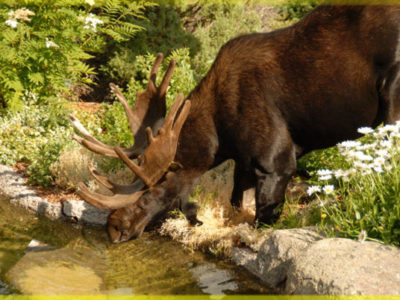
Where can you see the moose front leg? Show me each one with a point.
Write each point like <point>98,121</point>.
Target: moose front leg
<point>243,179</point>
<point>179,186</point>
<point>273,174</point>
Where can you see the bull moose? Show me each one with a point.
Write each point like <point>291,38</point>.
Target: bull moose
<point>268,99</point>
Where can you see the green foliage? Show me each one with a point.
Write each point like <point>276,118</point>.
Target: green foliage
<point>34,135</point>
<point>294,10</point>
<point>45,44</point>
<point>163,33</point>
<point>329,158</point>
<point>201,28</point>
<point>216,25</point>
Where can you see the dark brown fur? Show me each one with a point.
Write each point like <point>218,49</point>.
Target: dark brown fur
<point>271,97</point>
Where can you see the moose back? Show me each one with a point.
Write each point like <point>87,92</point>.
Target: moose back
<point>268,99</point>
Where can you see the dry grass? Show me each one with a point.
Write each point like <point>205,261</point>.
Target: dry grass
<point>71,168</point>
<point>223,227</point>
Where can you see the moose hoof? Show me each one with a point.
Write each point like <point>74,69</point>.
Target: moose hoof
<point>195,222</point>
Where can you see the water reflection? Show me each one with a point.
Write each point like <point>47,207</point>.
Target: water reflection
<point>74,260</point>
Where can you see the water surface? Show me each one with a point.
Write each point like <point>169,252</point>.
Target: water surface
<point>80,260</point>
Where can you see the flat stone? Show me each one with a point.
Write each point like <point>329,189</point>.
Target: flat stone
<point>84,212</point>
<point>345,267</point>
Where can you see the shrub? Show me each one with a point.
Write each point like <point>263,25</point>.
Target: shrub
<point>35,135</point>
<point>294,10</point>
<point>217,24</point>
<point>163,33</point>
<point>45,44</point>
<point>362,197</point>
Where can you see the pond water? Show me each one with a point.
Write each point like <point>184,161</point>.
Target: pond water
<point>39,256</point>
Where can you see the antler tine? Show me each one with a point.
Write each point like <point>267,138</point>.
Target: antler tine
<point>154,70</point>
<point>107,202</point>
<point>93,144</point>
<point>167,78</point>
<point>134,121</point>
<point>173,111</point>
<point>135,168</point>
<point>182,117</point>
<point>113,187</point>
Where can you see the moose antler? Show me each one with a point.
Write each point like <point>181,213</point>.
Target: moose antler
<point>149,111</point>
<point>157,159</point>
<point>162,149</point>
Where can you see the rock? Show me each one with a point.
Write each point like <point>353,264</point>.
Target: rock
<point>58,272</point>
<point>14,188</point>
<point>3,289</point>
<point>345,267</point>
<point>84,212</point>
<point>35,245</point>
<point>246,258</point>
<point>276,253</point>
<point>272,261</point>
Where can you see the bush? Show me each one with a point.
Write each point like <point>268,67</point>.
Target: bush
<point>163,33</point>
<point>34,135</point>
<point>45,44</point>
<point>217,24</point>
<point>361,198</point>
<point>295,10</point>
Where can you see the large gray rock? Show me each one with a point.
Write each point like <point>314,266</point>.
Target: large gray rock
<point>276,253</point>
<point>84,212</point>
<point>273,260</point>
<point>346,267</point>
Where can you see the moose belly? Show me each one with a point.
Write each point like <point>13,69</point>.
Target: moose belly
<point>327,125</point>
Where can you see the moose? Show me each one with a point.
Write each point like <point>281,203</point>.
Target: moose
<point>268,99</point>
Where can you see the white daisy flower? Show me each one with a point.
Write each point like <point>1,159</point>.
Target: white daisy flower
<point>324,172</point>
<point>365,130</point>
<point>379,161</point>
<point>386,144</point>
<point>328,189</point>
<point>325,177</point>
<point>313,189</point>
<point>349,144</point>
<point>362,236</point>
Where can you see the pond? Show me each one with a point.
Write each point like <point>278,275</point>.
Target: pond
<point>39,256</point>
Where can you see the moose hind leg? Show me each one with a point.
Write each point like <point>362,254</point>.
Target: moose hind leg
<point>273,173</point>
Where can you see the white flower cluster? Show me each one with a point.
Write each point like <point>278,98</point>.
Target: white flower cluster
<point>371,157</point>
<point>91,22</point>
<point>22,14</point>
<point>328,189</point>
<point>368,158</point>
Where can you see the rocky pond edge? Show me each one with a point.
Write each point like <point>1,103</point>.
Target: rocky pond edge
<point>292,261</point>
